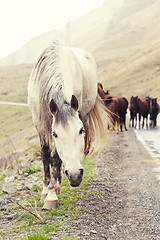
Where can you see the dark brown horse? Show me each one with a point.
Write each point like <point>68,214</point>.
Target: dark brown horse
<point>154,111</point>
<point>140,107</point>
<point>134,110</point>
<point>122,111</point>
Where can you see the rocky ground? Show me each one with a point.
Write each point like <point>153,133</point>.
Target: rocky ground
<point>121,202</point>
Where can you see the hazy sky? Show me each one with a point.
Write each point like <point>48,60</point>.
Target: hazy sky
<point>20,20</point>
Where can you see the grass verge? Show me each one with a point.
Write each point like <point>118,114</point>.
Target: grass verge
<point>26,224</point>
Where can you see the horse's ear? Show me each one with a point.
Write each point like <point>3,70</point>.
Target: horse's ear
<point>53,107</point>
<point>74,103</point>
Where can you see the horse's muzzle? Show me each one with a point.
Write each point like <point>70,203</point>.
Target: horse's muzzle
<point>75,179</point>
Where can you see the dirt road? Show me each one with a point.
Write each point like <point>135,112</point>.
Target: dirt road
<point>136,213</point>
<point>123,201</point>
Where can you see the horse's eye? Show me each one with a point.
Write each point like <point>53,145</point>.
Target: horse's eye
<point>81,130</point>
<point>54,134</point>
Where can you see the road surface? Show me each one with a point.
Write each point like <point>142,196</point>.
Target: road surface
<point>150,138</point>
<point>13,103</point>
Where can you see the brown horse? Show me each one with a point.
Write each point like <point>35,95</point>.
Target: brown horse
<point>134,110</point>
<point>122,111</point>
<point>154,111</point>
<point>101,91</point>
<point>111,102</point>
<point>141,107</point>
<point>144,109</point>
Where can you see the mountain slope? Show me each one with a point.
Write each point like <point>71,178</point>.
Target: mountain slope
<point>125,43</point>
<point>136,23</point>
<point>136,73</point>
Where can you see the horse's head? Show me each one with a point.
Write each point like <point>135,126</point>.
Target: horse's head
<point>154,103</point>
<point>68,133</point>
<point>134,103</point>
<point>100,91</point>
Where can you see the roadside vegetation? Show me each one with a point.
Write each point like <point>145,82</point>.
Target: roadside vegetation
<point>23,209</point>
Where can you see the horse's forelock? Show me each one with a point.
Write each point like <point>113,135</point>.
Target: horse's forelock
<point>154,102</point>
<point>64,113</point>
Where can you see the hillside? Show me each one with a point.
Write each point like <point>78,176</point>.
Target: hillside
<point>136,73</point>
<point>124,38</point>
<point>135,24</point>
<point>128,59</point>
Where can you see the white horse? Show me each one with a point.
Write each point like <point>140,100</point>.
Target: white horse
<point>62,95</point>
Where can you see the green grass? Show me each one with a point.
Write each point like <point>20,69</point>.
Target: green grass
<point>31,227</point>
<point>39,235</point>
<point>28,218</point>
<point>14,81</point>
<point>67,199</point>
<point>31,169</point>
<point>35,151</point>
<point>13,119</point>
<point>3,177</point>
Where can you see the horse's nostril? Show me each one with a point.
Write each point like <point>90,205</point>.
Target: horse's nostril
<point>67,175</point>
<point>81,171</point>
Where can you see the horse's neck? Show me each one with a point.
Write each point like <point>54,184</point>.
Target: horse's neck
<point>71,74</point>
<point>59,97</point>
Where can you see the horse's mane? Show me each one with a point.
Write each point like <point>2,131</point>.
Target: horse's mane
<point>47,75</point>
<point>97,130</point>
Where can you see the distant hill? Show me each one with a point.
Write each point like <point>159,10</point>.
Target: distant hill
<point>123,36</point>
<point>134,73</point>
<point>134,24</point>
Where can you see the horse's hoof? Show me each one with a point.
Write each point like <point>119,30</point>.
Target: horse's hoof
<point>43,196</point>
<point>49,205</point>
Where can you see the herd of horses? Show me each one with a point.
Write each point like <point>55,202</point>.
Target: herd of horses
<point>145,109</point>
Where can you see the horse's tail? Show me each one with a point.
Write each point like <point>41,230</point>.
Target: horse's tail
<point>98,125</point>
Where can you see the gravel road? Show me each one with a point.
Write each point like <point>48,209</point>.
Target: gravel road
<point>130,194</point>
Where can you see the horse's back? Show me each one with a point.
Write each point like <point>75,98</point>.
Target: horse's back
<point>78,73</point>
<point>85,79</point>
<point>144,105</point>
<point>88,67</point>
<point>122,105</point>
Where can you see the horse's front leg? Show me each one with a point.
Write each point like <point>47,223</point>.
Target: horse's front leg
<point>147,122</point>
<point>51,201</point>
<point>135,120</point>
<point>139,121</point>
<point>143,123</point>
<point>130,121</point>
<point>155,121</point>
<point>124,121</point>
<point>45,155</point>
<point>118,120</point>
